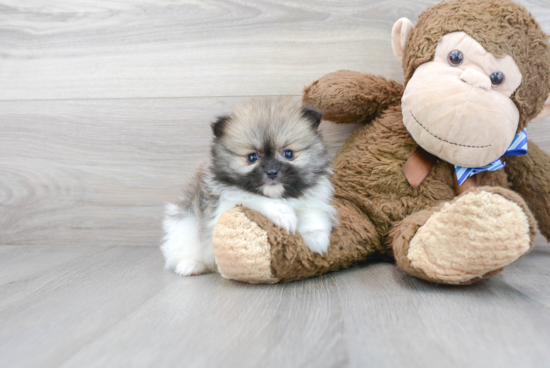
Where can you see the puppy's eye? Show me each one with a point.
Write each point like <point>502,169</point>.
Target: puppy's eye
<point>456,58</point>
<point>252,157</point>
<point>288,154</point>
<point>497,78</point>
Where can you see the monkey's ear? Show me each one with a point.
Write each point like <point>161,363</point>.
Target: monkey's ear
<point>219,125</point>
<point>399,35</point>
<point>313,116</point>
<point>544,113</point>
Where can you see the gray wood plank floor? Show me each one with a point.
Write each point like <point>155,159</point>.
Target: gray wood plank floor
<point>105,109</point>
<point>117,307</point>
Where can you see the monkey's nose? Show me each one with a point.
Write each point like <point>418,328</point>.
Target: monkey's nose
<point>272,173</point>
<point>476,78</point>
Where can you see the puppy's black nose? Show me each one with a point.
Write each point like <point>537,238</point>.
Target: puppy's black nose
<point>272,173</point>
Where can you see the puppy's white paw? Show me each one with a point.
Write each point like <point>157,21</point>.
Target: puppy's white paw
<point>190,268</point>
<point>283,216</point>
<point>317,241</point>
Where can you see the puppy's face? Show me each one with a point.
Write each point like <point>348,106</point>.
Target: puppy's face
<point>269,147</point>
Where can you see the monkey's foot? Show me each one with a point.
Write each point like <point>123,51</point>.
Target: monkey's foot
<point>242,249</point>
<point>473,237</point>
<point>249,247</point>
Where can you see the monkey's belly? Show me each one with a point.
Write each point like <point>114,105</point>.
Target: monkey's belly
<point>368,173</point>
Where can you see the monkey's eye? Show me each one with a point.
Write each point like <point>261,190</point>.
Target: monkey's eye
<point>252,157</point>
<point>497,78</point>
<point>456,58</point>
<point>288,154</point>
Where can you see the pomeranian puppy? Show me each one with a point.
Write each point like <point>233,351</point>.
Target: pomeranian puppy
<point>267,155</point>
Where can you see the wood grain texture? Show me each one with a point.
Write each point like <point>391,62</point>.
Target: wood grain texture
<point>105,109</point>
<point>117,307</point>
<point>105,105</point>
<point>98,172</point>
<point>67,49</point>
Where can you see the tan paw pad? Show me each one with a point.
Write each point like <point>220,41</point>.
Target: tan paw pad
<point>478,233</point>
<point>242,249</point>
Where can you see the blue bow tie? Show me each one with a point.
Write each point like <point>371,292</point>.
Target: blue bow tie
<point>517,148</point>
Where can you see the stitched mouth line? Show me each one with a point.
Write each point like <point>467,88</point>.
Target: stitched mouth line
<point>444,140</point>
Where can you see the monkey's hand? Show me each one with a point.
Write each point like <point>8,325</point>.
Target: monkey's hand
<point>352,97</point>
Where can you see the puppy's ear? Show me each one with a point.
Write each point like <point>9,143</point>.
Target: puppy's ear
<point>313,116</point>
<point>219,125</point>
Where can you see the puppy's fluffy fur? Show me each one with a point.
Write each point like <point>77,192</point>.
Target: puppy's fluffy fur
<point>250,165</point>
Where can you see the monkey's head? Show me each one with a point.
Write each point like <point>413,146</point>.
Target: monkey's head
<point>476,73</point>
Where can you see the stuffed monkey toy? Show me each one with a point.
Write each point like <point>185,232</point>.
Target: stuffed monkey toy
<point>440,177</point>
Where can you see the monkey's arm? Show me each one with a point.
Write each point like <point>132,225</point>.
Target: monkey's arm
<point>352,97</point>
<point>530,177</point>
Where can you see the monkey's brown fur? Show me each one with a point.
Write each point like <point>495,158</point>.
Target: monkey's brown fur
<point>516,33</point>
<point>378,210</point>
